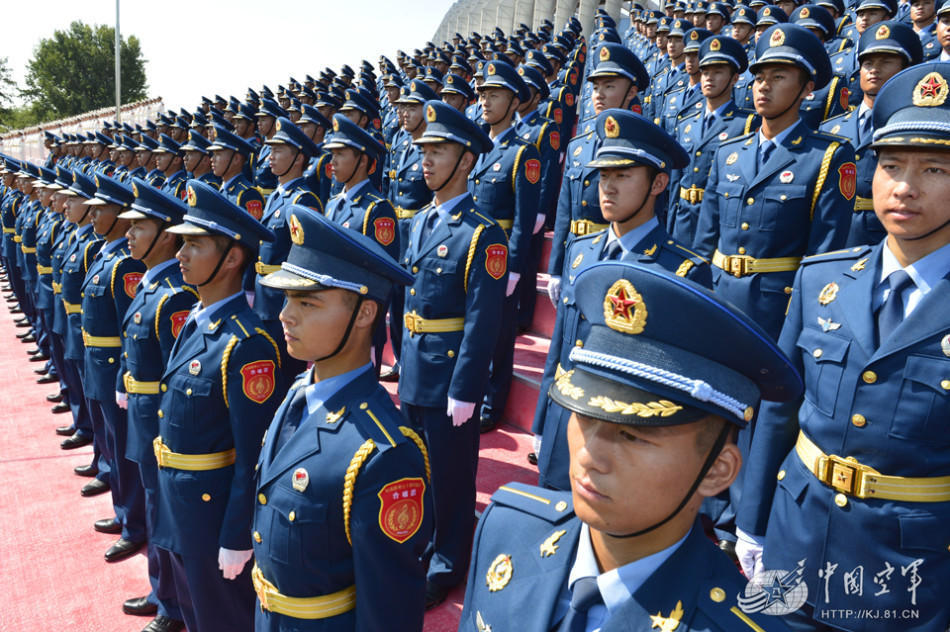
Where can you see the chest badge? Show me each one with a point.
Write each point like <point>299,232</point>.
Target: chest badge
<point>95,279</point>
<point>786,176</point>
<point>72,258</point>
<point>346,224</point>
<point>577,261</point>
<point>732,158</point>
<point>499,573</point>
<point>732,177</point>
<point>723,136</point>
<point>496,166</point>
<point>137,318</point>
<point>688,128</point>
<point>670,623</point>
<point>945,345</point>
<point>195,367</point>
<point>442,250</point>
<point>858,266</point>
<point>277,213</point>
<point>577,152</point>
<point>415,166</point>
<point>827,324</point>
<point>828,293</point>
<point>549,546</point>
<point>300,479</point>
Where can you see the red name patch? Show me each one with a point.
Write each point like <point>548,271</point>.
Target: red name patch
<point>255,208</point>
<point>178,321</point>
<point>131,281</point>
<point>385,230</point>
<point>496,260</point>
<point>848,179</point>
<point>257,380</point>
<point>401,508</point>
<point>532,170</point>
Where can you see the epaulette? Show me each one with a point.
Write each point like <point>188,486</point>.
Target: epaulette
<point>685,252</point>
<point>837,255</point>
<point>718,602</point>
<point>827,136</point>
<point>386,435</point>
<point>296,199</point>
<point>594,235</point>
<point>550,505</point>
<point>736,139</point>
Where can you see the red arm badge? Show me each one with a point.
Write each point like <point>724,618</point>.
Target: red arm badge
<point>555,141</point>
<point>532,170</point>
<point>401,508</point>
<point>255,208</point>
<point>178,321</point>
<point>384,230</point>
<point>496,260</point>
<point>258,380</point>
<point>130,282</point>
<point>848,179</point>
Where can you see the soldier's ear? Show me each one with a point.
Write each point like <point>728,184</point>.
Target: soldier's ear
<point>368,311</point>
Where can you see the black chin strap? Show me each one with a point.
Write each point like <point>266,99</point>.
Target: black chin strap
<point>355,168</point>
<point>791,105</point>
<point>217,267</point>
<point>112,225</point>
<point>646,198</point>
<point>346,334</point>
<point>710,459</point>
<point>924,236</point>
<point>292,161</point>
<point>155,241</point>
<point>451,175</point>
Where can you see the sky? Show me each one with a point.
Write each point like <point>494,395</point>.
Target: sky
<point>206,47</point>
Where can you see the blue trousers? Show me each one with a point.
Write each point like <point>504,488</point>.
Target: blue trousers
<point>71,378</point>
<point>160,571</point>
<point>502,362</point>
<point>210,603</point>
<point>453,457</point>
<point>128,496</point>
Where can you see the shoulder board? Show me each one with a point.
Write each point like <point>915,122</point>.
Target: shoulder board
<point>844,116</point>
<point>239,325</point>
<point>487,221</point>
<point>837,255</point>
<point>589,236</point>
<point>684,252</point>
<point>374,197</point>
<point>583,136</point>
<point>303,194</point>
<point>376,425</point>
<point>550,505</point>
<point>736,139</point>
<point>826,136</point>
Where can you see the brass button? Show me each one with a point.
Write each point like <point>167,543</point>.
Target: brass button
<point>869,377</point>
<point>412,291</point>
<point>741,250</point>
<point>781,475</point>
<point>475,198</point>
<point>188,392</point>
<point>586,183</point>
<point>451,353</point>
<point>817,353</point>
<point>206,497</point>
<point>859,420</point>
<point>745,226</point>
<point>415,269</point>
<point>698,154</point>
<point>262,499</point>
<point>292,516</point>
<point>945,385</point>
<point>125,354</point>
<point>364,406</point>
<point>725,195</point>
<point>160,414</point>
<point>565,300</point>
<point>583,202</point>
<point>477,181</point>
<point>750,201</point>
<point>579,343</point>
<point>695,169</point>
<point>111,360</point>
<point>841,500</point>
<point>164,387</point>
<point>257,537</point>
<point>560,506</point>
<point>783,197</point>
<point>717,594</point>
<point>438,270</point>
<point>788,290</point>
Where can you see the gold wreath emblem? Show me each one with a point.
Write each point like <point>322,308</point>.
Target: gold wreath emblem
<point>931,91</point>
<point>499,573</point>
<point>624,308</point>
<point>777,39</point>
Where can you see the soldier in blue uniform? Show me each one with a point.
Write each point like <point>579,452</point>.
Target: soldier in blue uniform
<point>617,79</point>
<point>721,61</point>
<point>883,51</point>
<point>452,311</point>
<point>109,287</point>
<point>867,14</point>
<point>221,386</point>
<point>767,16</point>
<point>682,102</point>
<point>831,100</point>
<point>197,159</point>
<point>150,326</point>
<point>457,92</point>
<point>506,185</point>
<point>267,116</point>
<point>634,161</point>
<point>229,157</point>
<point>169,161</point>
<point>854,474</point>
<point>625,550</point>
<point>290,151</point>
<point>318,174</point>
<point>356,563</point>
<point>778,194</point>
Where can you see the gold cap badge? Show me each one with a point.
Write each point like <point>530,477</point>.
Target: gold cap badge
<point>611,127</point>
<point>604,53</point>
<point>882,32</point>
<point>624,309</point>
<point>694,36</point>
<point>430,114</point>
<point>715,45</point>
<point>336,125</point>
<point>804,13</point>
<point>931,91</point>
<point>491,69</point>
<point>277,125</point>
<point>777,39</point>
<point>296,230</point>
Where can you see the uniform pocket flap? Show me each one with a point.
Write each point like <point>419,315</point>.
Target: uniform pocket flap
<point>823,347</point>
<point>928,371</point>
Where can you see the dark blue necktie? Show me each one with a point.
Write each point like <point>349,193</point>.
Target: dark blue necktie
<point>613,251</point>
<point>292,418</point>
<point>891,312</point>
<point>584,595</point>
<point>866,129</point>
<point>767,148</point>
<point>429,224</point>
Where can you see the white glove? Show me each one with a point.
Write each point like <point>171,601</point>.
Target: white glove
<point>539,223</point>
<point>249,295</point>
<point>460,412</point>
<point>749,552</point>
<point>512,283</point>
<point>122,400</point>
<point>536,444</point>
<point>232,563</point>
<point>554,289</point>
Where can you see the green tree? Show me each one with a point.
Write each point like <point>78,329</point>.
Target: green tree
<point>73,72</point>
<point>7,84</point>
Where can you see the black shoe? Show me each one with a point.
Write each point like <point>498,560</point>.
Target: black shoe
<point>532,458</point>
<point>23,325</point>
<point>29,338</point>
<point>23,334</point>
<point>41,370</point>
<point>435,595</point>
<point>140,607</point>
<point>16,308</point>
<point>55,398</point>
<point>39,357</point>
<point>94,488</point>
<point>485,424</point>
<point>65,431</point>
<point>108,525</point>
<point>75,441</point>
<point>391,374</point>
<point>20,321</point>
<point>61,408</point>
<point>729,548</point>
<point>164,624</point>
<point>86,470</point>
<point>123,549</point>
<point>48,379</point>
<point>33,351</point>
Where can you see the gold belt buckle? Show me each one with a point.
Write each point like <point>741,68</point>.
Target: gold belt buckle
<point>844,475</point>
<point>160,450</point>
<point>410,321</point>
<point>738,265</point>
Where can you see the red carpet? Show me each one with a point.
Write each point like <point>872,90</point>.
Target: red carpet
<point>51,562</point>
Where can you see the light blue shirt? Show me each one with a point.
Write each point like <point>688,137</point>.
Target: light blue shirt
<point>204,315</point>
<point>355,190</point>
<point>632,238</point>
<point>82,231</point>
<point>283,188</point>
<point>779,138</point>
<point>504,135</point>
<point>616,586</point>
<point>321,391</point>
<point>445,210</point>
<point>113,245</point>
<point>153,273</point>
<point>925,273</point>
